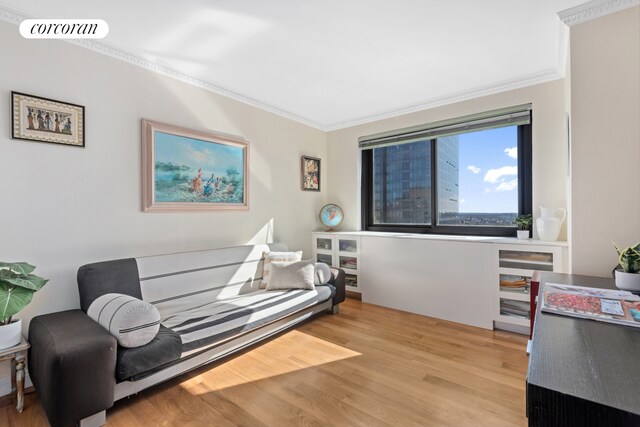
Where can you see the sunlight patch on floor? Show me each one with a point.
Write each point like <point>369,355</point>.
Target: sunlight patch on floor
<point>289,353</point>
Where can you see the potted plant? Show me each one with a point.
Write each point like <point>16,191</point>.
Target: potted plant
<point>17,286</point>
<point>523,222</point>
<point>626,273</point>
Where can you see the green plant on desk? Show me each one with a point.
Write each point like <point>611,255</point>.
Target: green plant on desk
<point>629,258</point>
<point>17,286</point>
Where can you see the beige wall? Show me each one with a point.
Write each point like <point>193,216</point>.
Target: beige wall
<point>549,146</point>
<point>64,206</point>
<point>567,106</point>
<point>605,152</point>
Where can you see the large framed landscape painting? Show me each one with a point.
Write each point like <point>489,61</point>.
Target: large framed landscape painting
<point>46,120</point>
<point>190,170</point>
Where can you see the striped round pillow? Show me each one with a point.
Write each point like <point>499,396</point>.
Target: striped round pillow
<point>133,322</point>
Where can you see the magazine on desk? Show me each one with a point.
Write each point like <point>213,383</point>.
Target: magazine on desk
<point>606,305</point>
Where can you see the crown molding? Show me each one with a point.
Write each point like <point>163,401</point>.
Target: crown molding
<point>159,67</point>
<point>15,16</point>
<point>525,81</point>
<point>594,9</point>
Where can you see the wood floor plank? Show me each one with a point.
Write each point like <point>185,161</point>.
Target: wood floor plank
<point>367,366</point>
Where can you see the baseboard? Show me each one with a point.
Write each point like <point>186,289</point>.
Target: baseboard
<point>523,330</point>
<point>353,295</point>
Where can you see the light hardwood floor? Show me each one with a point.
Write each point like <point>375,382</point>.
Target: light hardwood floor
<point>367,366</point>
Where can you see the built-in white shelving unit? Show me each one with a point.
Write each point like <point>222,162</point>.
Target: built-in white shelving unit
<point>514,266</point>
<point>341,250</point>
<point>476,280</point>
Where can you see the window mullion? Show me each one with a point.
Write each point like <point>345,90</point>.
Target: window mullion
<point>434,184</point>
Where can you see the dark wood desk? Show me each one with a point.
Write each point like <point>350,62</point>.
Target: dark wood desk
<point>582,372</point>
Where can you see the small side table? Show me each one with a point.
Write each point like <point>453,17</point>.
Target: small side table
<point>17,355</point>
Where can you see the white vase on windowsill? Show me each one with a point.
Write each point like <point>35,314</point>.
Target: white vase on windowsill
<point>523,234</point>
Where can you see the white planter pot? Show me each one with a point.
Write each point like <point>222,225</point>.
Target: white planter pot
<point>11,334</point>
<point>628,281</point>
<point>523,234</point>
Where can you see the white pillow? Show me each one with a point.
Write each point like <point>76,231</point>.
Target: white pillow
<point>133,322</point>
<point>322,274</point>
<point>297,275</point>
<point>270,257</point>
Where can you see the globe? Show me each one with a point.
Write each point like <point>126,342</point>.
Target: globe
<point>331,215</point>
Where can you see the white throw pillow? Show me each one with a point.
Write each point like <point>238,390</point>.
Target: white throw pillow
<point>133,322</point>
<point>297,275</point>
<point>269,257</point>
<point>322,274</point>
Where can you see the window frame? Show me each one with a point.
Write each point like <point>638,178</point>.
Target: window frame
<point>525,204</point>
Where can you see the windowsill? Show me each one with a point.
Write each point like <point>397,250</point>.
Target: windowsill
<point>446,237</point>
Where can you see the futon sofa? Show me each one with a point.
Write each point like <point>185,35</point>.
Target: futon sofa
<point>78,368</point>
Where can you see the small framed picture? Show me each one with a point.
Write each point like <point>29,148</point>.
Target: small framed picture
<point>310,173</point>
<point>40,119</point>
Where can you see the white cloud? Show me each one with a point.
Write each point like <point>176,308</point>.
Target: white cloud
<point>512,152</point>
<point>461,201</point>
<point>474,169</point>
<point>487,190</point>
<point>495,175</point>
<point>198,156</point>
<point>507,185</point>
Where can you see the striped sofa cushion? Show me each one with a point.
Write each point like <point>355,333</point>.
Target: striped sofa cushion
<point>133,322</point>
<point>179,282</point>
<point>213,322</point>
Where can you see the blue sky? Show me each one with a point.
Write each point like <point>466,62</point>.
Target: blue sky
<point>211,157</point>
<point>488,171</point>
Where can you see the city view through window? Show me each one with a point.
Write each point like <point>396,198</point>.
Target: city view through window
<point>477,183</point>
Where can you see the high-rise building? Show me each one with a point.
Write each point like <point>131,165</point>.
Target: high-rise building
<point>448,176</point>
<point>402,181</point>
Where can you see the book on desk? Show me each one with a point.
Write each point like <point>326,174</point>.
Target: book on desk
<point>605,305</point>
<point>581,373</point>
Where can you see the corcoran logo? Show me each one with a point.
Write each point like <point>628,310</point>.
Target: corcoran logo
<point>64,29</point>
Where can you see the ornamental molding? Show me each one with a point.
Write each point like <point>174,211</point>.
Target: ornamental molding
<point>525,81</point>
<point>15,16</point>
<point>594,9</point>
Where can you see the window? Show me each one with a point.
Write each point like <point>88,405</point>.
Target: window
<point>468,176</point>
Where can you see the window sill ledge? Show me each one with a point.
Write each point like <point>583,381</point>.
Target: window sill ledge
<point>446,237</point>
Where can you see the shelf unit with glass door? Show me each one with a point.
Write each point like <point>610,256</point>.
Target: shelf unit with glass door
<point>340,250</point>
<point>514,266</point>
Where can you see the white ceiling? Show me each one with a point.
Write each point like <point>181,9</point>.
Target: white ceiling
<point>334,63</point>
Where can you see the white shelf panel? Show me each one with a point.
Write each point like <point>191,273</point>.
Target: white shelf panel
<point>349,271</point>
<point>526,261</point>
<point>348,254</point>
<point>515,272</point>
<point>352,289</point>
<point>324,251</point>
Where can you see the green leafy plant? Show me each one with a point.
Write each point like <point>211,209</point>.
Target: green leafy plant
<point>629,258</point>
<point>523,222</point>
<point>17,286</point>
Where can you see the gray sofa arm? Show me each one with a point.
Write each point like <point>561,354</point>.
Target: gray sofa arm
<point>338,281</point>
<point>72,362</point>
